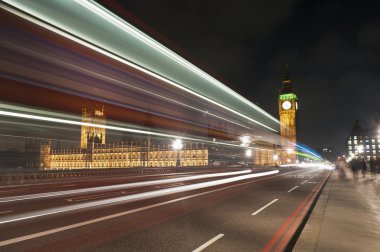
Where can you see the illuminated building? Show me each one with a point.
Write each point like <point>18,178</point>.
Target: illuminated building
<point>364,142</point>
<point>264,153</point>
<point>288,106</point>
<point>96,153</point>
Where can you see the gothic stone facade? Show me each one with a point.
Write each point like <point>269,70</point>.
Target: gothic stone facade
<point>95,153</point>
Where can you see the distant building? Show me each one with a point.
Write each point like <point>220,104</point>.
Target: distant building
<point>364,142</point>
<point>31,155</point>
<point>288,106</point>
<point>96,153</point>
<point>329,153</point>
<point>27,158</point>
<point>264,153</point>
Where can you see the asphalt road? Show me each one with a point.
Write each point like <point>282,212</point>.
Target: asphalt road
<point>232,210</point>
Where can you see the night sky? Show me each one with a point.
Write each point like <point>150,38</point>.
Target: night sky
<point>332,48</point>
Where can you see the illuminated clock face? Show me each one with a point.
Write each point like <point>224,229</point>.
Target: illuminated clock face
<point>286,105</point>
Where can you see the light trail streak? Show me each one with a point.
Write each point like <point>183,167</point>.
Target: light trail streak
<point>307,150</point>
<point>39,138</point>
<point>299,153</point>
<point>124,61</point>
<point>109,16</point>
<point>310,165</point>
<point>80,69</point>
<point>132,198</point>
<point>121,186</point>
<point>109,127</point>
<point>120,214</point>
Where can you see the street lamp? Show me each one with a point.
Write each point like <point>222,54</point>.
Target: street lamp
<point>177,146</point>
<point>245,140</point>
<point>289,150</point>
<point>248,154</point>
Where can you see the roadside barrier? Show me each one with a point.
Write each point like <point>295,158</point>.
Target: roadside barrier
<point>31,177</point>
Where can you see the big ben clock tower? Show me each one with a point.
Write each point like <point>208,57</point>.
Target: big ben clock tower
<point>288,106</point>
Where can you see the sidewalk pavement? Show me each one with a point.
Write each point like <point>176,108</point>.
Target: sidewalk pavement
<point>345,218</point>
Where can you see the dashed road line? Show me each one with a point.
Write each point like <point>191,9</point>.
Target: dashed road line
<point>293,189</point>
<point>267,205</point>
<point>205,245</point>
<point>304,182</point>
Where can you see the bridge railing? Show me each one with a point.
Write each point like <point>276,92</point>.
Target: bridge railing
<point>30,177</point>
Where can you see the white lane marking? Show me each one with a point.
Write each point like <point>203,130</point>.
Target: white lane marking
<point>120,186</point>
<point>8,211</point>
<point>293,189</point>
<point>304,182</point>
<point>267,205</point>
<point>84,223</point>
<point>208,243</point>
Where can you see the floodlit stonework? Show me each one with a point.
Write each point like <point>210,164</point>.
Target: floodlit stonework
<point>95,153</point>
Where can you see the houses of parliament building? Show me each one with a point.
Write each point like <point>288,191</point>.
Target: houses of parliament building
<point>94,152</point>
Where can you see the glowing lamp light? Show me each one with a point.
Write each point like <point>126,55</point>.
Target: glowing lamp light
<point>289,151</point>
<point>177,144</point>
<point>275,157</point>
<point>245,140</point>
<point>289,160</point>
<point>248,153</point>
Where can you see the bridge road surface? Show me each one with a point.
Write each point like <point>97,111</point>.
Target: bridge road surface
<point>250,214</point>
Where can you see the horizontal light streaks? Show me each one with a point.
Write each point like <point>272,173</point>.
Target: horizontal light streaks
<point>77,67</point>
<point>107,15</point>
<point>120,186</point>
<point>132,198</point>
<point>85,40</point>
<point>34,114</point>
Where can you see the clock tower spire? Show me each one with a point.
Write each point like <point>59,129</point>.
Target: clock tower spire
<point>288,106</point>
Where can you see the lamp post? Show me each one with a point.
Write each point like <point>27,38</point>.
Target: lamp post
<point>177,146</point>
<point>248,154</point>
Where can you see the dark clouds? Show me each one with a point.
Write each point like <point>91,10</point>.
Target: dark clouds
<point>332,47</point>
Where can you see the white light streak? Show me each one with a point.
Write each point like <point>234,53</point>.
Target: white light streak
<point>121,186</point>
<point>112,216</point>
<point>122,60</point>
<point>116,128</point>
<point>131,198</point>
<point>118,82</point>
<point>109,16</point>
<point>310,165</point>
